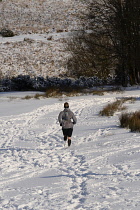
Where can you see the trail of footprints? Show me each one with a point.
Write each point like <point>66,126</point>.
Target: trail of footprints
<point>49,152</point>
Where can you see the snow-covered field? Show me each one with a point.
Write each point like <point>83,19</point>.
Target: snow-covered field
<point>100,171</point>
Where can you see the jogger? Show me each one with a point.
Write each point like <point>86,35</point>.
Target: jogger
<point>67,120</point>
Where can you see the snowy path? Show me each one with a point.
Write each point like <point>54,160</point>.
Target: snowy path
<point>99,171</point>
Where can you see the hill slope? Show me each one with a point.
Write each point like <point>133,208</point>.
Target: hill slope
<point>40,26</point>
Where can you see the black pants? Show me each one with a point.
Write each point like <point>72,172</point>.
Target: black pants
<point>67,132</point>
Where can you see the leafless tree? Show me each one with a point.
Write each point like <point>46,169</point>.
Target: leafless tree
<point>113,41</point>
<point>90,55</point>
<point>124,31</point>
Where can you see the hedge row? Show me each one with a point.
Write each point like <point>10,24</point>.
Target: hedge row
<point>26,83</point>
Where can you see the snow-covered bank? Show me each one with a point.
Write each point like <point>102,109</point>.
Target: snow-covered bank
<point>99,171</point>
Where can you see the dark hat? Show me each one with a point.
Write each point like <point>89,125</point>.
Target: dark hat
<point>66,105</point>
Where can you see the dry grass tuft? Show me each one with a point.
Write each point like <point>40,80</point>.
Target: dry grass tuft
<point>131,121</point>
<point>67,91</point>
<point>111,108</point>
<point>98,92</point>
<point>57,92</point>
<point>27,97</point>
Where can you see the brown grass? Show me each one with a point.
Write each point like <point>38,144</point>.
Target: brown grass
<point>57,92</point>
<point>111,108</point>
<point>131,121</point>
<point>27,97</point>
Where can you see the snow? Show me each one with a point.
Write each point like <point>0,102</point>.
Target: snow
<point>100,170</point>
<point>36,37</point>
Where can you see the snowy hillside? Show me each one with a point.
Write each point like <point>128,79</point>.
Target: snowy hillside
<point>99,171</point>
<point>39,26</point>
<point>33,16</point>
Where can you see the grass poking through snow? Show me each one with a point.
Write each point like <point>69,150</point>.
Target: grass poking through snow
<point>111,108</point>
<point>131,121</point>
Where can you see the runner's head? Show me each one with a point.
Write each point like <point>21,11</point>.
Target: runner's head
<point>66,105</point>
